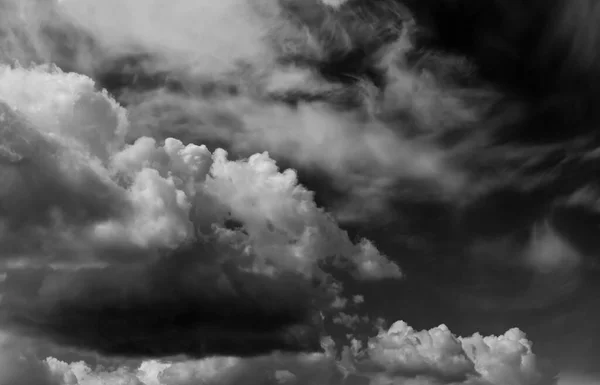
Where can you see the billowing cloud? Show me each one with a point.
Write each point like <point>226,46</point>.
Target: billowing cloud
<point>161,196</point>
<point>123,230</point>
<point>436,356</point>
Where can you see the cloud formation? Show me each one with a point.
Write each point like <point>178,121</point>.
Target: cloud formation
<point>162,196</point>
<point>399,354</point>
<point>436,356</point>
<point>324,88</point>
<point>175,306</point>
<point>123,230</point>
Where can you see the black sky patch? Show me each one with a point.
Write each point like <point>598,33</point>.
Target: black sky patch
<point>540,53</point>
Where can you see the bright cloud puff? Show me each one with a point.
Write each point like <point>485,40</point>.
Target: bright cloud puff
<point>436,356</point>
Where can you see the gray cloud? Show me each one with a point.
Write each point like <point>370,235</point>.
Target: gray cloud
<point>177,305</point>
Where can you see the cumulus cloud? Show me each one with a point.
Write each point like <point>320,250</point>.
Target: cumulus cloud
<point>437,356</point>
<point>114,225</point>
<point>161,195</point>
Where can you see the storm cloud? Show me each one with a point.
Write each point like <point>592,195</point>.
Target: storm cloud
<point>175,306</point>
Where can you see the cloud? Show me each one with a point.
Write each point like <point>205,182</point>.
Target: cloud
<point>321,87</point>
<point>53,152</point>
<point>151,196</point>
<point>328,89</point>
<point>187,34</point>
<point>35,32</point>
<point>553,265</point>
<point>168,245</point>
<point>20,366</point>
<point>549,251</point>
<point>273,369</point>
<point>398,354</point>
<point>348,320</point>
<point>363,157</point>
<point>178,305</point>
<point>437,356</point>
<point>59,136</point>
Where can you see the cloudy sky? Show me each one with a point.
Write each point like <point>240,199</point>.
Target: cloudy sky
<point>299,192</point>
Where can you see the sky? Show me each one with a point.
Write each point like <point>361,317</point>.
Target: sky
<point>299,192</point>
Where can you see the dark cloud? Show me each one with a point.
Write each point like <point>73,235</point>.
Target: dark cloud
<point>177,305</point>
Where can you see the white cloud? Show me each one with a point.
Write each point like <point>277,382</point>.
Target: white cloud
<point>437,356</point>
<point>504,359</point>
<point>206,36</point>
<point>334,3</point>
<point>150,196</point>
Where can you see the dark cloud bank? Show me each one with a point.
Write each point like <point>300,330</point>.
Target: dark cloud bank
<point>171,307</point>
